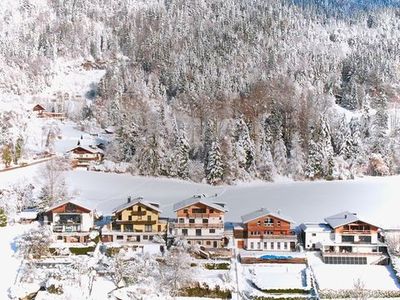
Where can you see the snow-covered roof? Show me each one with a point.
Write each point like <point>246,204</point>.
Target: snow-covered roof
<point>264,212</point>
<point>315,227</point>
<point>28,214</point>
<point>342,218</point>
<point>91,149</point>
<point>68,201</point>
<point>203,199</point>
<point>138,200</point>
<point>38,107</point>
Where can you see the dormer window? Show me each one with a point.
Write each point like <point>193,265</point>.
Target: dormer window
<point>269,222</point>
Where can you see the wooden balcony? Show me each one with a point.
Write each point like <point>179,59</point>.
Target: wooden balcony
<point>273,237</point>
<point>199,225</point>
<point>138,213</point>
<point>356,232</point>
<point>136,222</point>
<point>66,227</point>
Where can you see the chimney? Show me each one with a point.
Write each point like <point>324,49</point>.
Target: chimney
<point>129,199</point>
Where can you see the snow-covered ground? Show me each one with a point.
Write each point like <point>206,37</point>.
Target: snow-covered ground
<point>279,276</point>
<point>344,277</point>
<point>9,262</point>
<point>373,198</point>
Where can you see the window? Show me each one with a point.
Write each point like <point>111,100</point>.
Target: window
<point>120,237</point>
<point>129,218</point>
<point>185,211</point>
<point>145,237</point>
<point>348,238</point>
<point>278,245</point>
<point>211,211</point>
<point>184,232</point>
<point>148,228</point>
<point>212,230</point>
<point>270,232</point>
<point>285,245</point>
<point>120,217</point>
<point>208,243</point>
<point>198,210</point>
<point>258,223</point>
<point>139,208</point>
<point>205,221</point>
<point>272,245</point>
<point>278,223</point>
<point>365,239</point>
<point>269,222</point>
<point>191,221</point>
<point>181,220</point>
<point>314,234</point>
<point>265,245</point>
<point>198,232</point>
<point>128,228</point>
<point>251,245</point>
<point>148,218</point>
<point>258,245</point>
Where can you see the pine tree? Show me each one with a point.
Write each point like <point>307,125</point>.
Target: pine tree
<point>18,149</point>
<point>296,163</point>
<point>314,168</point>
<point>244,146</point>
<point>265,164</point>
<point>380,125</point>
<point>182,156</point>
<point>149,156</point>
<point>280,158</point>
<point>215,167</point>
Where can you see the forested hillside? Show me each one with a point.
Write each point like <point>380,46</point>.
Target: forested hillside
<point>224,90</point>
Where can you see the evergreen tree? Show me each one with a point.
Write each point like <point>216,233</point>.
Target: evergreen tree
<point>149,156</point>
<point>244,146</point>
<point>215,167</point>
<point>182,156</point>
<point>296,163</point>
<point>265,164</point>
<point>18,149</point>
<point>280,158</point>
<point>380,126</point>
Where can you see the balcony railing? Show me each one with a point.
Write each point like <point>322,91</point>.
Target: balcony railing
<point>357,231</point>
<point>138,213</point>
<point>199,225</point>
<point>137,222</point>
<point>273,236</point>
<point>66,227</point>
<point>356,254</point>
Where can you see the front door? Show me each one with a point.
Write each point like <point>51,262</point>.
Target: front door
<point>215,244</point>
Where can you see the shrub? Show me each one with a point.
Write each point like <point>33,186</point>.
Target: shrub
<point>216,266</point>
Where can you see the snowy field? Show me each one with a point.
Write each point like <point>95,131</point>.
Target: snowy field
<point>343,277</point>
<point>278,276</point>
<point>374,199</point>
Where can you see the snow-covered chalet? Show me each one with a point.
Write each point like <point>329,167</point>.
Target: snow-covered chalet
<point>200,221</point>
<point>265,230</point>
<point>344,238</point>
<point>70,222</point>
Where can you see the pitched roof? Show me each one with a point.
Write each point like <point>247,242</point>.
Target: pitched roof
<point>65,202</point>
<point>138,200</point>
<point>342,218</point>
<point>38,107</point>
<point>88,149</point>
<point>315,227</point>
<point>264,212</point>
<point>203,199</point>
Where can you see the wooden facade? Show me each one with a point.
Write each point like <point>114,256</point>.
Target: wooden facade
<point>135,222</point>
<point>200,222</point>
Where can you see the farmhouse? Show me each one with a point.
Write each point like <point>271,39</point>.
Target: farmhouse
<point>70,222</point>
<point>265,230</point>
<point>136,221</point>
<point>39,110</point>
<point>200,221</point>
<point>345,239</point>
<point>82,156</point>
